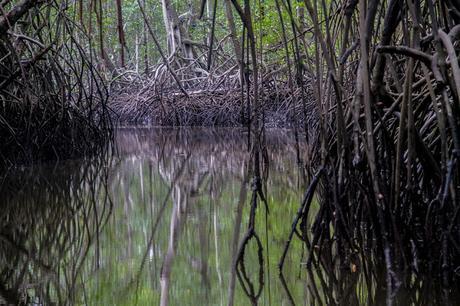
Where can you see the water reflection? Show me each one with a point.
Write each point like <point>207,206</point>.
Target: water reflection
<point>161,223</point>
<point>49,219</point>
<point>195,184</point>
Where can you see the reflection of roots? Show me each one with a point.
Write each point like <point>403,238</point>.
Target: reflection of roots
<point>243,277</point>
<point>302,215</point>
<point>240,267</point>
<point>49,220</point>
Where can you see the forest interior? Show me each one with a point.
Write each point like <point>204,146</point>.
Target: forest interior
<point>368,89</point>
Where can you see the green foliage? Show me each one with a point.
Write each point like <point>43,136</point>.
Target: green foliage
<point>265,18</point>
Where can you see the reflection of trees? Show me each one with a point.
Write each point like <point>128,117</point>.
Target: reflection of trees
<point>235,240</point>
<point>191,175</point>
<point>197,168</point>
<point>220,151</point>
<point>49,218</point>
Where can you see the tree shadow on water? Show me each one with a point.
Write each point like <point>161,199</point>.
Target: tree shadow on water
<point>50,220</point>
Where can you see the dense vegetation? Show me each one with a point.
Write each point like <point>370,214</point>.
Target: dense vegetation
<point>53,99</point>
<point>372,86</point>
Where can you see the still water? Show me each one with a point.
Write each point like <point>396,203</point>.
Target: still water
<point>155,223</point>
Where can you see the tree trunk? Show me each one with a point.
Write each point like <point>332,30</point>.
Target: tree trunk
<point>103,54</point>
<point>80,13</point>
<point>121,32</point>
<point>175,33</point>
<point>145,44</point>
<point>234,35</point>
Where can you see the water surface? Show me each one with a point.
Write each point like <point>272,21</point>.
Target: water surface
<point>156,223</point>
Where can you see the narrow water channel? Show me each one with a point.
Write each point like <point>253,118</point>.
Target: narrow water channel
<point>156,223</point>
